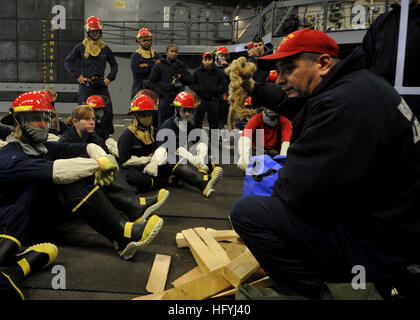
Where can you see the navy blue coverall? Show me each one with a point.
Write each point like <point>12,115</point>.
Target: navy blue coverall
<point>4,132</point>
<point>208,84</point>
<point>349,192</point>
<point>129,145</point>
<point>141,74</point>
<point>27,190</point>
<point>93,67</point>
<point>161,80</point>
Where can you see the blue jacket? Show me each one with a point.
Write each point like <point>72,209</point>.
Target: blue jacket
<point>170,126</point>
<point>71,136</point>
<point>18,170</point>
<point>354,156</point>
<point>174,136</point>
<point>129,145</point>
<point>259,75</point>
<point>207,84</point>
<point>162,75</point>
<point>4,132</point>
<point>92,66</point>
<point>141,74</point>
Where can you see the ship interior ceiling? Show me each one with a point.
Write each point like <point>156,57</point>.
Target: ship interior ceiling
<point>93,269</point>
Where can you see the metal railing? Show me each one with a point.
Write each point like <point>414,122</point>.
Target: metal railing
<point>279,18</point>
<point>184,32</point>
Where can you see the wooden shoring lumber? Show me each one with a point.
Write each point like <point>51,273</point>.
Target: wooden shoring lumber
<point>216,281</point>
<point>158,274</point>
<point>241,268</point>
<point>233,249</point>
<point>187,277</point>
<point>200,288</point>
<point>204,257</point>
<point>213,245</point>
<point>218,235</point>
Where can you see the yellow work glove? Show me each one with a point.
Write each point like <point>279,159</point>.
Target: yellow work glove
<point>107,163</point>
<point>103,178</point>
<point>108,168</point>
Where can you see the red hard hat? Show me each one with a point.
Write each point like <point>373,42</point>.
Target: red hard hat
<point>248,101</point>
<point>250,45</point>
<point>51,96</point>
<point>207,53</point>
<point>272,76</point>
<point>185,99</point>
<point>143,32</point>
<point>95,101</point>
<point>28,102</point>
<point>142,103</point>
<point>149,93</point>
<point>93,23</point>
<point>222,49</point>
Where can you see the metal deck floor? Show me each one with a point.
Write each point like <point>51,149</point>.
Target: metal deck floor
<point>94,271</point>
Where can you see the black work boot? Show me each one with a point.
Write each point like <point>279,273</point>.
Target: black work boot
<point>137,235</point>
<point>204,182</point>
<point>11,279</point>
<point>126,236</point>
<point>174,181</point>
<point>9,247</point>
<point>148,205</point>
<point>33,259</point>
<point>134,208</point>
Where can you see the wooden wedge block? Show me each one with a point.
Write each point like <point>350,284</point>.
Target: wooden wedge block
<point>187,277</point>
<point>213,245</point>
<point>235,240</point>
<point>200,288</point>
<point>225,235</point>
<point>180,241</point>
<point>241,268</point>
<point>233,249</point>
<point>221,235</point>
<point>204,257</point>
<point>218,235</point>
<point>159,273</point>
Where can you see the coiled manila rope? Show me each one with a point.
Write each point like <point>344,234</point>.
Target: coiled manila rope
<point>240,72</point>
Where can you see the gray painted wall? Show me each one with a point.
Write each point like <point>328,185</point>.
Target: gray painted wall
<point>120,89</point>
<point>153,10</point>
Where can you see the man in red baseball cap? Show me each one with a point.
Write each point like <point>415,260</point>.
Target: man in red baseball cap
<point>304,40</point>
<point>297,50</point>
<point>250,49</point>
<point>340,194</point>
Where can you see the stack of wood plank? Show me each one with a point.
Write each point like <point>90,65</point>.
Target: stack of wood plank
<point>223,263</point>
